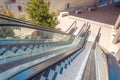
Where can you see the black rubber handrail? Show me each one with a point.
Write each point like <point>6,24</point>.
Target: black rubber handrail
<point>75,22</point>
<point>84,25</point>
<point>18,22</point>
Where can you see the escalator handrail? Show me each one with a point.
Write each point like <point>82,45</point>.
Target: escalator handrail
<point>23,23</point>
<point>75,22</point>
<point>84,26</point>
<point>87,72</point>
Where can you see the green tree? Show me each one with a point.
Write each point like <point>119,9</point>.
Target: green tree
<point>39,12</point>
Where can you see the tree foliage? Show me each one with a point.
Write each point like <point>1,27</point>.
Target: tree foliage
<point>39,12</point>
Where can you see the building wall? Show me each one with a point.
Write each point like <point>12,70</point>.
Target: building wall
<point>55,5</point>
<point>15,10</point>
<point>2,2</point>
<point>61,4</point>
<point>13,7</point>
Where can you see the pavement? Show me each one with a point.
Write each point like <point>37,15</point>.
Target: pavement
<point>106,14</point>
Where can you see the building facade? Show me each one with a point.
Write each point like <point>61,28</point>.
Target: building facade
<point>65,4</point>
<point>16,7</point>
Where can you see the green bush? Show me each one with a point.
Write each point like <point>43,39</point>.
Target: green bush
<point>40,14</point>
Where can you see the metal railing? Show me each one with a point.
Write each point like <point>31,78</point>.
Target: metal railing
<point>10,21</point>
<point>71,27</point>
<point>84,28</point>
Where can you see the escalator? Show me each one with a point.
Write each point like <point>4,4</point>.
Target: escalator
<point>31,52</point>
<point>24,45</point>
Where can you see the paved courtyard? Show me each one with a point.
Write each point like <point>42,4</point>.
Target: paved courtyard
<point>106,15</point>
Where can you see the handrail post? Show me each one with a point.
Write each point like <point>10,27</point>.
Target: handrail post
<point>118,55</point>
<point>117,24</point>
<point>75,22</point>
<point>115,40</point>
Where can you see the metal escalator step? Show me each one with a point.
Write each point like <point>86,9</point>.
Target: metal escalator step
<point>8,52</point>
<point>20,51</point>
<point>2,50</point>
<point>31,46</point>
<point>52,75</point>
<point>59,69</point>
<point>42,78</point>
<point>28,50</point>
<point>14,49</point>
<point>23,47</point>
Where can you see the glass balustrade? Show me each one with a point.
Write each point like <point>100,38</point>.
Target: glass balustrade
<point>11,35</point>
<point>19,39</point>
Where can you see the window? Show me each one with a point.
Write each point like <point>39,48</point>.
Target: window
<point>12,0</point>
<point>19,8</point>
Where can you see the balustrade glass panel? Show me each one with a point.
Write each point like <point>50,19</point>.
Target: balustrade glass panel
<point>19,41</point>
